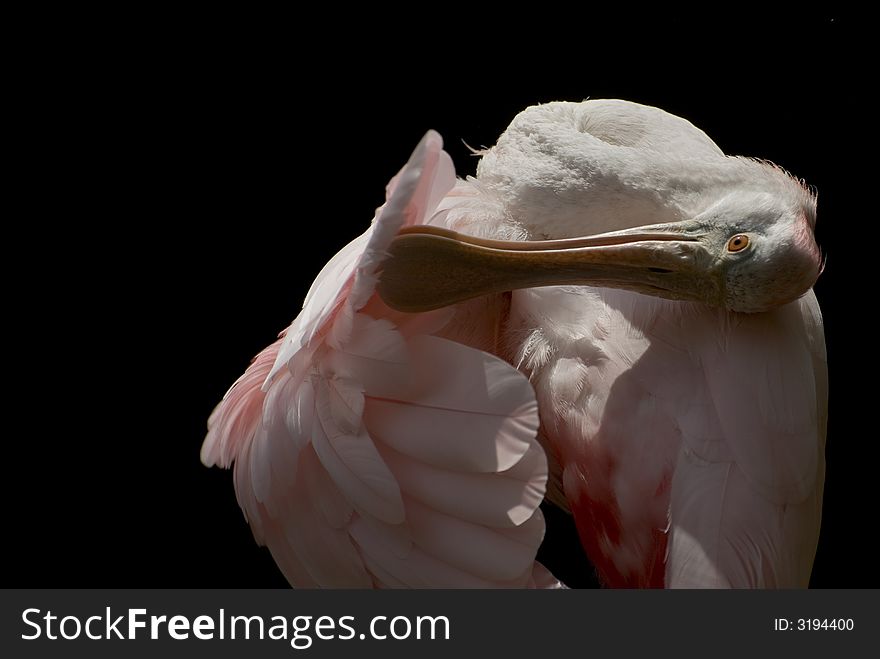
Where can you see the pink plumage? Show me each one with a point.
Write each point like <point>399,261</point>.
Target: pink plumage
<point>368,452</point>
<point>378,448</point>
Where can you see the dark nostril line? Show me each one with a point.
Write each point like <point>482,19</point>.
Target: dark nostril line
<point>660,270</point>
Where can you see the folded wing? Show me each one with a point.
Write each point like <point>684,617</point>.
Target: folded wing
<point>369,453</point>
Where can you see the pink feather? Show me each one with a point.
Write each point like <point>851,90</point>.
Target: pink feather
<point>358,440</point>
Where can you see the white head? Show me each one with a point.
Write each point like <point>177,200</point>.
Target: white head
<point>621,195</point>
<point>758,245</point>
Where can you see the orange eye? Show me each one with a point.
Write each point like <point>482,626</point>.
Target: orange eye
<point>738,243</point>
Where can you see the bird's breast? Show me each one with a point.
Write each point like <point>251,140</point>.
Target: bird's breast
<point>617,389</point>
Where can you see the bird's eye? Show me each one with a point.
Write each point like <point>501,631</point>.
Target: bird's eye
<point>738,243</point>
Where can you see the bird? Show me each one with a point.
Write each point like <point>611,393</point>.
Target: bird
<point>612,315</point>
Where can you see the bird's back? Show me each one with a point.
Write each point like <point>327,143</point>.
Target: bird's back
<point>574,169</point>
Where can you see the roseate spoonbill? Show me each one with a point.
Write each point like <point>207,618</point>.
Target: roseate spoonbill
<point>613,314</point>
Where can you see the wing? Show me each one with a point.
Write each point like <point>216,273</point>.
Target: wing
<point>746,501</point>
<point>368,452</point>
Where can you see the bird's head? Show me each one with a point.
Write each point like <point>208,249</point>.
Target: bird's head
<point>691,223</point>
<point>756,247</point>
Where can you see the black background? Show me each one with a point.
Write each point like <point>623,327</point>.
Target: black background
<point>185,180</point>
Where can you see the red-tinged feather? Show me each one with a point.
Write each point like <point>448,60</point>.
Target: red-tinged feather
<point>327,553</point>
<point>237,417</point>
<point>498,500</point>
<point>457,392</point>
<point>354,464</point>
<point>347,282</point>
<point>474,548</point>
<point>313,473</point>
<point>418,570</point>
